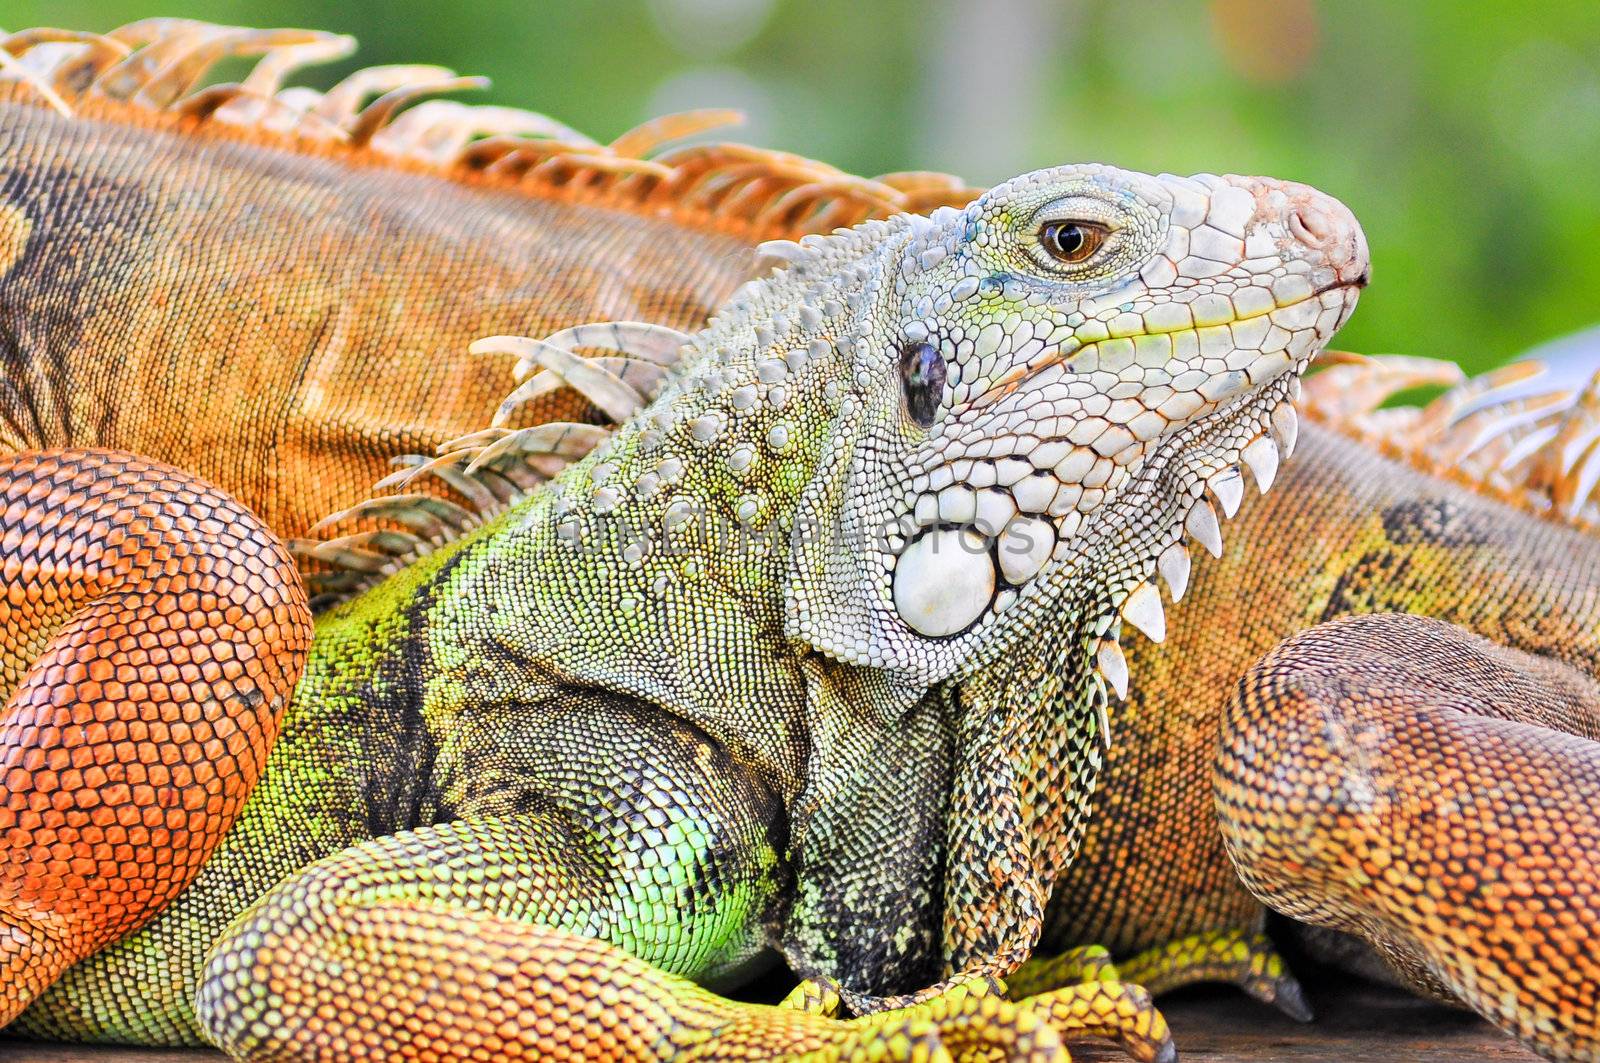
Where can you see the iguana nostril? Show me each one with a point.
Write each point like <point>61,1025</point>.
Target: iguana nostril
<point>1309,226</point>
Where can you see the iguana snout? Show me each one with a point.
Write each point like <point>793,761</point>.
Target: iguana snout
<point>1320,223</point>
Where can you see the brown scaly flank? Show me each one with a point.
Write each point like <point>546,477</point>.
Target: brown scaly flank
<point>276,289</point>
<point>151,635</point>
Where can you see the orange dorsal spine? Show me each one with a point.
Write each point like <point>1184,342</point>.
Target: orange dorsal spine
<point>150,73</point>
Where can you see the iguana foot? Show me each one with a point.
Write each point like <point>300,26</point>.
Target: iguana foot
<point>971,1021</point>
<point>1087,995</point>
<point>970,1008</point>
<point>1112,1010</point>
<point>1098,1008</point>
<point>1242,958</point>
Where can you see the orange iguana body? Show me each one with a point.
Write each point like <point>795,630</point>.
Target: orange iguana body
<point>285,312</point>
<point>283,306</point>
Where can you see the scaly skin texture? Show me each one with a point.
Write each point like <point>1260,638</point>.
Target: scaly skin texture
<point>1459,832</point>
<point>1348,531</point>
<point>151,632</point>
<point>278,306</point>
<point>1154,879</point>
<point>806,742</point>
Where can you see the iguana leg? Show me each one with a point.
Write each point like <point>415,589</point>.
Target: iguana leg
<point>482,940</point>
<point>1438,796</point>
<point>150,632</point>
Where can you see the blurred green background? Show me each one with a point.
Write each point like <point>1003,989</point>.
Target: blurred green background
<point>1464,133</point>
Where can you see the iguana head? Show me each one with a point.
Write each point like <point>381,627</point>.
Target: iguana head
<point>1030,396</point>
<point>976,423</point>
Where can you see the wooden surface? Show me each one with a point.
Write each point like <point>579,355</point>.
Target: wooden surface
<point>1364,1025</point>
<point>28,1052</point>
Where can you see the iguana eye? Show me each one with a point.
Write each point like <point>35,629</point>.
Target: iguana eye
<point>1071,241</point>
<point>922,373</point>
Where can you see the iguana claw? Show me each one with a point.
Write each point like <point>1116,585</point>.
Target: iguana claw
<point>1242,958</point>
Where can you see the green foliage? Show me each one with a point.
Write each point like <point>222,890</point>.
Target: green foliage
<point>1464,133</point>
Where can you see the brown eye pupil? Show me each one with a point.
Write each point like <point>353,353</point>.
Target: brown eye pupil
<point>1071,241</point>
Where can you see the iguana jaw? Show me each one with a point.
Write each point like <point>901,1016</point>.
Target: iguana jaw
<point>1102,564</point>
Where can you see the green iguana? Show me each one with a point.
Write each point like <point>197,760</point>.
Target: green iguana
<point>595,733</point>
<point>1154,878</point>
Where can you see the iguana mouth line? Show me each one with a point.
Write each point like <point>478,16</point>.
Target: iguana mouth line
<point>1354,285</point>
<point>1062,354</point>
